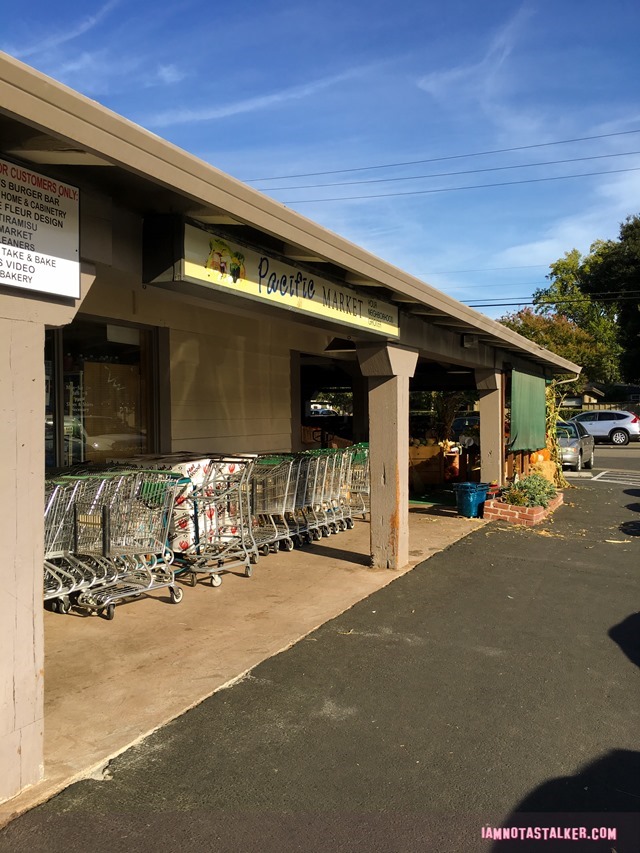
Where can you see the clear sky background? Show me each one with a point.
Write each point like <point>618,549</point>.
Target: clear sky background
<point>280,90</point>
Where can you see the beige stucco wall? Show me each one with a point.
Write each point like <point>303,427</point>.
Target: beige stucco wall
<point>230,368</point>
<point>230,387</point>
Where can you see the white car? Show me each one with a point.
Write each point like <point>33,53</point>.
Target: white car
<point>111,435</point>
<point>618,427</point>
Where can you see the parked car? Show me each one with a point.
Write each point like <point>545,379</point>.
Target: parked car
<point>112,435</point>
<point>323,413</point>
<point>465,425</point>
<point>576,445</point>
<point>616,426</point>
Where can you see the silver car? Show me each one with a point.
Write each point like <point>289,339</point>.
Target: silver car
<point>612,425</point>
<point>576,445</point>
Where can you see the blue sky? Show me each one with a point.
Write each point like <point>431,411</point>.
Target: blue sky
<point>276,89</point>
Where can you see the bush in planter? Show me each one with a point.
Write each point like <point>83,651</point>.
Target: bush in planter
<point>534,490</point>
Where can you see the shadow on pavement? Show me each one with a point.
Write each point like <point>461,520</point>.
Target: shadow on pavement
<point>631,528</point>
<point>435,509</point>
<point>604,794</point>
<point>627,636</point>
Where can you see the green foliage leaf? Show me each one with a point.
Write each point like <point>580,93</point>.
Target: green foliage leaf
<point>534,490</point>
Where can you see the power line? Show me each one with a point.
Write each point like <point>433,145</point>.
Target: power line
<point>601,296</point>
<point>481,269</point>
<point>452,174</point>
<point>558,302</point>
<point>442,159</point>
<point>458,189</point>
<point>538,284</point>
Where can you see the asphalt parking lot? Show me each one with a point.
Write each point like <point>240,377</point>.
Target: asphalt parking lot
<point>495,685</point>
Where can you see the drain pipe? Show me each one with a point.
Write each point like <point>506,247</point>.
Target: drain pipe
<point>571,379</point>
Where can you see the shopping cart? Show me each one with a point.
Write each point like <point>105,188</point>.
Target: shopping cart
<point>125,525</point>
<point>273,491</point>
<point>358,489</point>
<point>65,574</point>
<point>211,528</point>
<point>343,507</point>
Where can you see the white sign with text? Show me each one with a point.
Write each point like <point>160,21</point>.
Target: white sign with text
<point>39,232</point>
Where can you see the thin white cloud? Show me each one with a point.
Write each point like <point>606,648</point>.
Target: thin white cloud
<point>171,117</point>
<point>69,34</point>
<point>480,79</point>
<point>170,74</point>
<point>91,72</point>
<point>611,202</point>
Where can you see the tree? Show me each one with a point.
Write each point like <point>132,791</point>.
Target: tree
<point>563,336</point>
<point>615,277</point>
<point>567,296</point>
<point>600,293</point>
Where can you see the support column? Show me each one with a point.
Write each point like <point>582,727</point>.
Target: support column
<point>491,391</point>
<point>389,369</point>
<point>22,413</point>
<point>22,396</point>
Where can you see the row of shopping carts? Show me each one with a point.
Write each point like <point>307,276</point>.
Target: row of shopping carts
<point>301,498</point>
<point>106,538</point>
<point>118,534</point>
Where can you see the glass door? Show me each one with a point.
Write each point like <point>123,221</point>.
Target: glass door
<point>104,396</point>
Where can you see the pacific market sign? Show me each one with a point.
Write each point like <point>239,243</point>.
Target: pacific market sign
<point>220,264</point>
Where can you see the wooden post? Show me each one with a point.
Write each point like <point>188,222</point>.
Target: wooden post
<point>389,368</point>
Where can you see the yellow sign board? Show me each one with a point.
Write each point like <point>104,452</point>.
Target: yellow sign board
<point>216,262</point>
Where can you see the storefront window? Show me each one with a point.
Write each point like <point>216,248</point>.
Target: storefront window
<point>104,399</point>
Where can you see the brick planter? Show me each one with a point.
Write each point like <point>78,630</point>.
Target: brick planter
<point>497,510</point>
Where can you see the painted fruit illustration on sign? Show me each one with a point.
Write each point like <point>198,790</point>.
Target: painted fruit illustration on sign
<point>222,260</point>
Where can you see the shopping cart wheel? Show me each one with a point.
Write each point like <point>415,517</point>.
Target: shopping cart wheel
<point>248,571</point>
<point>349,523</point>
<point>191,578</point>
<point>253,558</point>
<point>287,544</point>
<point>176,594</point>
<point>216,580</point>
<point>64,605</point>
<point>109,611</point>
<point>265,550</point>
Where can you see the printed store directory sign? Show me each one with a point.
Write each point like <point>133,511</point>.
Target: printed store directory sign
<point>39,232</point>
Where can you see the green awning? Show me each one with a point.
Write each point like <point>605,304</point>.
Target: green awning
<point>528,412</point>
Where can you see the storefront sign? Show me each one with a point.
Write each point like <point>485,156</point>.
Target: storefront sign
<point>211,260</point>
<point>39,232</point>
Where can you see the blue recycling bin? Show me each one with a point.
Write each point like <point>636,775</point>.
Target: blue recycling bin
<point>470,498</point>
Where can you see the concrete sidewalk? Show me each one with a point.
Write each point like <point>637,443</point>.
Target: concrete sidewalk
<point>109,684</point>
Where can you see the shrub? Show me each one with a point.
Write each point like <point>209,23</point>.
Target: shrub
<point>534,490</point>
